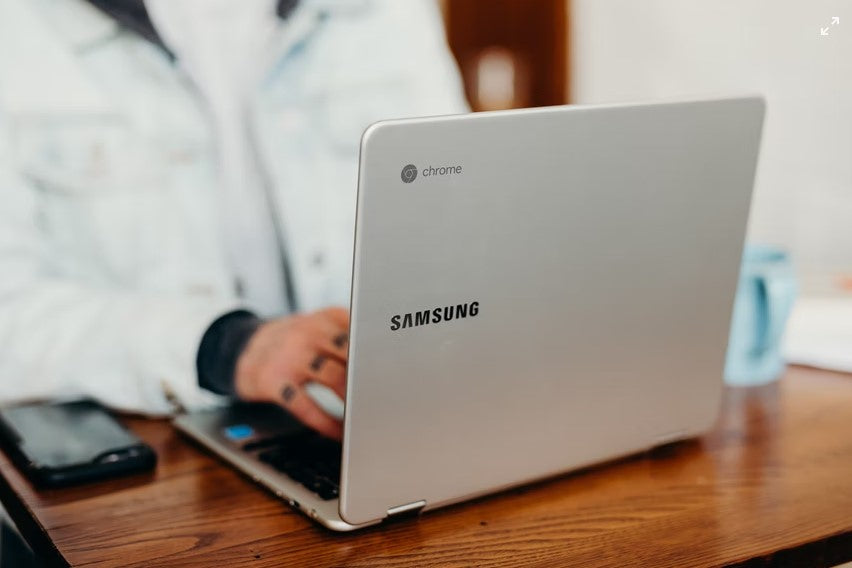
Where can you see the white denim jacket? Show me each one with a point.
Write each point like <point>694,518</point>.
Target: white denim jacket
<point>111,263</point>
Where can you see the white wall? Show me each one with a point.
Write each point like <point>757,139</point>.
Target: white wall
<point>639,49</point>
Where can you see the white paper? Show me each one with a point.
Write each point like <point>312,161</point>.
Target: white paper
<point>819,333</point>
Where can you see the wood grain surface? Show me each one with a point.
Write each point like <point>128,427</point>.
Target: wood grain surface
<point>771,485</point>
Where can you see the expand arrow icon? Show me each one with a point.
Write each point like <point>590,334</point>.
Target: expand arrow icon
<point>823,31</point>
<point>835,20</point>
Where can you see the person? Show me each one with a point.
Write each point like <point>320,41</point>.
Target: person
<point>178,183</point>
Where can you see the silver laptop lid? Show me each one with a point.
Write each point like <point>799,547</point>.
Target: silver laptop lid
<point>538,290</point>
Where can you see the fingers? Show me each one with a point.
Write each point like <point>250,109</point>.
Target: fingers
<point>285,354</point>
<point>289,392</point>
<point>330,373</point>
<point>333,338</point>
<point>296,400</point>
<point>334,348</point>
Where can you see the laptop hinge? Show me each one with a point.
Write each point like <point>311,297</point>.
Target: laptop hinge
<point>406,511</point>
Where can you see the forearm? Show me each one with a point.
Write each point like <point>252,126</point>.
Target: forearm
<point>130,350</point>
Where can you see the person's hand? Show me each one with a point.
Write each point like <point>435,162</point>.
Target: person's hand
<point>284,355</point>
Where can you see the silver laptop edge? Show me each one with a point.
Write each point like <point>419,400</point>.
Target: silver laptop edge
<point>205,428</point>
<point>534,291</point>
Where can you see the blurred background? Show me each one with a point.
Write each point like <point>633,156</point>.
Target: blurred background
<point>517,53</point>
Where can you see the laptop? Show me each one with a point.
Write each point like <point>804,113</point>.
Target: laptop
<point>533,291</point>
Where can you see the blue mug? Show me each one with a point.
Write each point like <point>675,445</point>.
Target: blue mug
<point>765,297</point>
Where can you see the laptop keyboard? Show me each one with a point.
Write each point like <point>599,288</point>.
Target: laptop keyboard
<point>305,457</point>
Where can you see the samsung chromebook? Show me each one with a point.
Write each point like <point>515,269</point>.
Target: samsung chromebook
<point>533,291</point>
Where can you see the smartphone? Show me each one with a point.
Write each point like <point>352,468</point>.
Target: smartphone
<point>72,442</point>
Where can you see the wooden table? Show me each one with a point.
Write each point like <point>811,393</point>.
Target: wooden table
<point>772,484</point>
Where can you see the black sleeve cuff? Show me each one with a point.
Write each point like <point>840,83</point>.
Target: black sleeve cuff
<point>221,346</point>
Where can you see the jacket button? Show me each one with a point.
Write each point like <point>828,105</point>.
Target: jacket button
<point>318,260</point>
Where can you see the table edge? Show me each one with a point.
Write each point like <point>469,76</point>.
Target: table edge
<point>27,523</point>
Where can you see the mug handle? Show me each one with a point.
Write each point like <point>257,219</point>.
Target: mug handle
<point>775,299</point>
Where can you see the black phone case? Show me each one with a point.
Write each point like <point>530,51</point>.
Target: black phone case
<point>110,463</point>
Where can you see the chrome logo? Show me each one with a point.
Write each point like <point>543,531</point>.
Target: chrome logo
<point>409,173</point>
